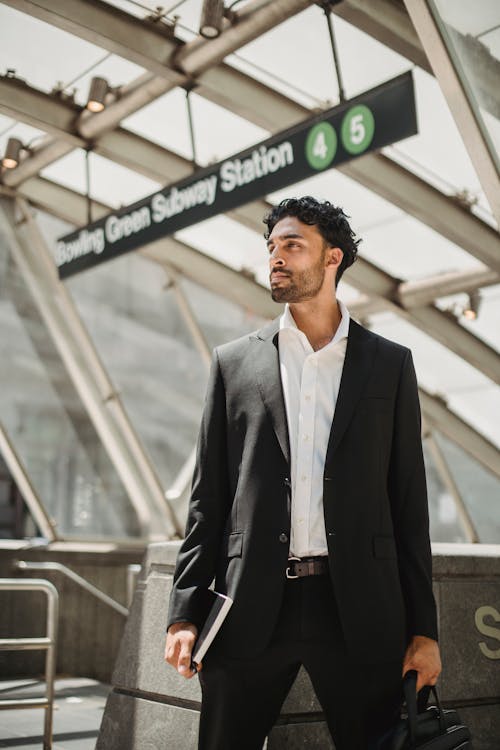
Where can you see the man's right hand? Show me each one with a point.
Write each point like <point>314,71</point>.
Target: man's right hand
<point>181,637</point>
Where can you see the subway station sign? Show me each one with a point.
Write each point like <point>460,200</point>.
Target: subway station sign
<point>372,120</point>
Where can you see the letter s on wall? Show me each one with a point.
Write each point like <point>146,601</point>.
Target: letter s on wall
<point>491,631</point>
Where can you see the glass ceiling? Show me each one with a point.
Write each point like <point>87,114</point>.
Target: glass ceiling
<point>295,59</point>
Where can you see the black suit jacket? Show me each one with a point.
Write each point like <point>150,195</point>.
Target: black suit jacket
<point>375,501</point>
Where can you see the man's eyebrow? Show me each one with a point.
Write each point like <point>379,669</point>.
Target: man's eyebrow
<point>290,235</point>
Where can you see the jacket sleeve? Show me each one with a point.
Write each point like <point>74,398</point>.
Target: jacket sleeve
<point>208,510</point>
<point>408,497</point>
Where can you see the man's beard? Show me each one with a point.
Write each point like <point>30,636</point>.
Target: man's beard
<point>302,285</point>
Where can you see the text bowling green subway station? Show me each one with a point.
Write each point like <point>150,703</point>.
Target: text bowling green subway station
<point>376,118</point>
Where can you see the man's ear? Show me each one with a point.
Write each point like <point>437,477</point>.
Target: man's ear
<point>334,256</point>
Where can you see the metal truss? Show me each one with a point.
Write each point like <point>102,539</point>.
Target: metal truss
<point>239,289</point>
<point>264,106</point>
<point>476,141</point>
<point>375,171</point>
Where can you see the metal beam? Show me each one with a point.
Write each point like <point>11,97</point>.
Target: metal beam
<point>459,102</point>
<point>236,287</point>
<point>384,291</point>
<point>439,325</point>
<point>148,44</point>
<point>375,171</point>
<point>389,23</point>
<point>257,17</point>
<point>427,204</point>
<point>70,206</point>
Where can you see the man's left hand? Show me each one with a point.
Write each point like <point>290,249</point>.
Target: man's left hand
<point>422,655</point>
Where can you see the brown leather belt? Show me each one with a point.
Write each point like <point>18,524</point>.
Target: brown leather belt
<point>299,567</point>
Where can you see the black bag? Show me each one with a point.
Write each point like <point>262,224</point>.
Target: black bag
<point>432,728</point>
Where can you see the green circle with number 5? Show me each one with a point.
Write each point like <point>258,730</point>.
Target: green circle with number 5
<point>358,127</point>
<point>321,145</point>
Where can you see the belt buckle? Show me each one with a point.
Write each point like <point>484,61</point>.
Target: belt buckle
<point>287,572</point>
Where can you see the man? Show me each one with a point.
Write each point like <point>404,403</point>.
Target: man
<point>309,508</point>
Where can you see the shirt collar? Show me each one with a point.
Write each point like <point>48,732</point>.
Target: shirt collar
<point>287,322</point>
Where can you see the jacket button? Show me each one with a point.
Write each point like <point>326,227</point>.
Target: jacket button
<point>287,482</point>
<point>283,538</point>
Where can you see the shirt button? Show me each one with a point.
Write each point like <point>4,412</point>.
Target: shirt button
<point>283,538</point>
<point>303,477</point>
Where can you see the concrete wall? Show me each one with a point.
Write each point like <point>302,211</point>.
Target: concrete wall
<point>89,631</point>
<point>151,707</point>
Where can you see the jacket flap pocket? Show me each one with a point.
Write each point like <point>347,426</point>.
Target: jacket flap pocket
<point>235,544</point>
<point>384,547</point>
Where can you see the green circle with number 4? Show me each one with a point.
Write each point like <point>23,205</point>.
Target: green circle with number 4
<point>358,127</point>
<point>321,145</point>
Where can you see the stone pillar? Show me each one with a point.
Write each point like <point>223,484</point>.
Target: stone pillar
<point>152,708</point>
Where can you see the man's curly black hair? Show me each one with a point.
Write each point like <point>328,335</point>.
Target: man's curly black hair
<point>331,222</point>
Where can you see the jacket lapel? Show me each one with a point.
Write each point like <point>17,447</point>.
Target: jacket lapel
<point>267,370</point>
<point>360,352</point>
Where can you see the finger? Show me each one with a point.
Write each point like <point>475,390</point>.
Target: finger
<point>184,662</point>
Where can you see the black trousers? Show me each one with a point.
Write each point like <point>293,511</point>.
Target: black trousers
<point>242,698</point>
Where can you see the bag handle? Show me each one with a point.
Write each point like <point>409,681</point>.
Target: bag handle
<point>410,694</point>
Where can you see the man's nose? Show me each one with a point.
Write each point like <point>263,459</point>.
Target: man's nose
<point>275,259</point>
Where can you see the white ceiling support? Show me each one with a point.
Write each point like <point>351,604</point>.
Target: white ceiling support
<point>444,472</point>
<point>70,206</point>
<point>424,291</point>
<point>384,291</point>
<point>59,201</point>
<point>438,416</point>
<point>427,204</point>
<point>389,23</point>
<point>49,113</point>
<point>439,325</point>
<point>238,288</point>
<point>86,371</point>
<point>249,98</point>
<point>148,44</point>
<point>257,17</point>
<point>375,171</point>
<point>205,271</point>
<point>18,473</point>
<point>458,101</point>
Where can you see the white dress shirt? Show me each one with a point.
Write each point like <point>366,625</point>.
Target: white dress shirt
<point>311,382</point>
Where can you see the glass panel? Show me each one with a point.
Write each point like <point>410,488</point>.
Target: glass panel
<point>444,522</point>
<point>143,341</point>
<point>479,488</point>
<point>469,393</point>
<point>219,319</point>
<point>110,183</point>
<point>48,425</point>
<point>473,42</point>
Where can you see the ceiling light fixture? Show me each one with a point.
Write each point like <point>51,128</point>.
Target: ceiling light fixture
<point>212,16</point>
<point>99,88</point>
<point>471,311</point>
<point>11,157</point>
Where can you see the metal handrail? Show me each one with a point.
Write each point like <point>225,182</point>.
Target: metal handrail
<point>47,643</point>
<point>84,584</point>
